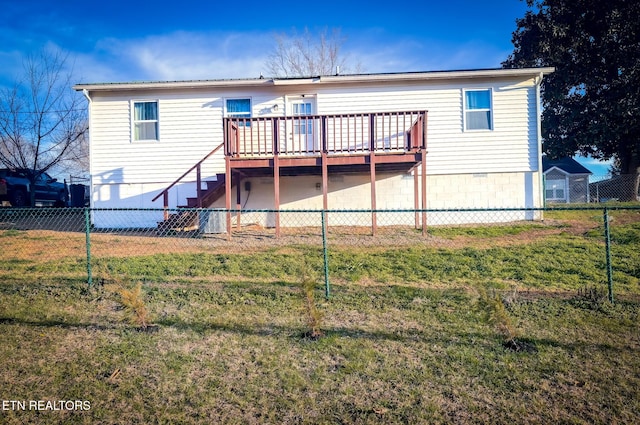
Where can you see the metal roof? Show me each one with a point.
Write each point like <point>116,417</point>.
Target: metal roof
<point>322,79</point>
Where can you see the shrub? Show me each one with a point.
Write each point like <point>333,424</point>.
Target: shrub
<point>134,307</point>
<point>495,313</point>
<point>308,280</point>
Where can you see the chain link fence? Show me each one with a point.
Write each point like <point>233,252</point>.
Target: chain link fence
<point>607,188</point>
<point>563,247</point>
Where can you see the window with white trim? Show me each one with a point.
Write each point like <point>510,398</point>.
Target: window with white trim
<point>477,110</point>
<point>303,125</point>
<point>238,108</point>
<point>145,120</point>
<point>556,190</point>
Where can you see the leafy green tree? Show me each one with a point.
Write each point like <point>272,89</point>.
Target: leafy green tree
<point>592,102</point>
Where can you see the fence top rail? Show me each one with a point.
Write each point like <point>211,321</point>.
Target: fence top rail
<point>54,211</point>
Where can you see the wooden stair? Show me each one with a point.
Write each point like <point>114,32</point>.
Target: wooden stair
<point>188,220</point>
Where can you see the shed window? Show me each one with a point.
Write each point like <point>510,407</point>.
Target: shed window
<point>477,109</point>
<point>556,190</point>
<point>145,120</point>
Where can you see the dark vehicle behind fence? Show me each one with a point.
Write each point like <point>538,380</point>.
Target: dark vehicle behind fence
<point>16,186</point>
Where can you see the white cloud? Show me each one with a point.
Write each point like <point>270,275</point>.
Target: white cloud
<point>189,56</point>
<point>218,55</point>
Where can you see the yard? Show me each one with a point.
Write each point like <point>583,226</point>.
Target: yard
<point>412,333</point>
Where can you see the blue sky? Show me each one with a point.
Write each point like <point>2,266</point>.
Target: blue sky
<point>119,40</point>
<point>136,40</point>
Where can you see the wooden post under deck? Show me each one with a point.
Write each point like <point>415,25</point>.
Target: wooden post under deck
<point>325,169</point>
<point>238,201</point>
<point>372,166</point>
<point>424,192</point>
<point>276,186</point>
<point>276,173</point>
<point>416,195</point>
<point>372,170</point>
<point>325,182</point>
<point>227,194</point>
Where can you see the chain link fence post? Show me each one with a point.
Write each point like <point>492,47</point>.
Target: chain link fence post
<point>87,229</point>
<point>327,289</point>
<point>607,238</point>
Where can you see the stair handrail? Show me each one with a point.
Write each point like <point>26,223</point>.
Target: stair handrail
<point>165,192</point>
<point>418,128</point>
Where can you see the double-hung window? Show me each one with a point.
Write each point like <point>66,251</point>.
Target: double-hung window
<point>477,110</point>
<point>145,120</point>
<point>239,108</point>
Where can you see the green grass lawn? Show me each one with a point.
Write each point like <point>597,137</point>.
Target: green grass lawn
<point>411,334</point>
<point>235,352</point>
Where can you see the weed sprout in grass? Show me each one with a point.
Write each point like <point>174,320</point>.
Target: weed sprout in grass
<point>308,283</point>
<point>492,306</point>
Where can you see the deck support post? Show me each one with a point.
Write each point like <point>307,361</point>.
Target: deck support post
<point>276,173</point>
<point>325,169</point>
<point>423,167</point>
<point>325,182</point>
<point>238,200</point>
<point>227,193</point>
<point>374,218</point>
<point>276,188</point>
<point>416,195</point>
<point>372,170</point>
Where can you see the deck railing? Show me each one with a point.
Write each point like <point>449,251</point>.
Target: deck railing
<point>386,132</point>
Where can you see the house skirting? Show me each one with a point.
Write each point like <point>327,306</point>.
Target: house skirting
<point>345,192</point>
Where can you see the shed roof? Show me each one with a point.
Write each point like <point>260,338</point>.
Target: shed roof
<point>566,164</point>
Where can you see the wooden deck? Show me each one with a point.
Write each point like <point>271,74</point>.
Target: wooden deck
<point>318,145</point>
<point>324,144</point>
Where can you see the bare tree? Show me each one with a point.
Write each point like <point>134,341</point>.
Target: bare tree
<point>306,55</point>
<point>42,121</point>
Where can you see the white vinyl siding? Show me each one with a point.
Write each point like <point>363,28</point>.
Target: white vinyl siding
<point>190,126</point>
<point>510,147</point>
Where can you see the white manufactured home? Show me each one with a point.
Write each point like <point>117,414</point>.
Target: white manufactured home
<point>419,140</point>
